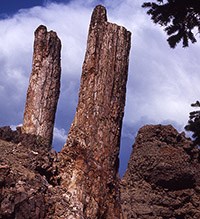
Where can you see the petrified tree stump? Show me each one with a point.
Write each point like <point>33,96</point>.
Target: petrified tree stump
<point>89,159</point>
<point>44,86</point>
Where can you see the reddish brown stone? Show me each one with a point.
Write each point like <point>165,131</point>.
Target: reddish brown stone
<point>89,159</point>
<point>27,174</point>
<point>44,85</point>
<point>162,179</point>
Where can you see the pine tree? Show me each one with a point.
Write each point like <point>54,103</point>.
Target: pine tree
<point>180,19</point>
<point>194,124</point>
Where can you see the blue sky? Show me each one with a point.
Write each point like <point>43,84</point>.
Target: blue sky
<point>9,7</point>
<point>162,82</point>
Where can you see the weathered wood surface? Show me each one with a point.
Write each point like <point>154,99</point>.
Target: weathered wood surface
<point>89,159</point>
<point>44,86</point>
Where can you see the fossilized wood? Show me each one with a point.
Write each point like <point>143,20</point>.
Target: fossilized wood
<point>44,86</point>
<point>89,159</point>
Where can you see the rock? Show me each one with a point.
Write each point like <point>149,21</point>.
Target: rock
<point>89,160</point>
<point>32,141</point>
<point>25,178</point>
<point>44,87</point>
<point>162,178</point>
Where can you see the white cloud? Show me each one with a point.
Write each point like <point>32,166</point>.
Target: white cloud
<point>59,138</point>
<point>60,134</point>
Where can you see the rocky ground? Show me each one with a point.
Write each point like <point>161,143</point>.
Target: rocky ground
<point>162,180</point>
<point>28,172</point>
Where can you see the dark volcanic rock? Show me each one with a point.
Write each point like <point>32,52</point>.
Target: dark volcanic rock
<point>44,86</point>
<point>89,159</point>
<point>163,178</point>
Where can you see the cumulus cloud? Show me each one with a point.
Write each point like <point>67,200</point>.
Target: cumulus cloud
<point>162,82</point>
<point>59,138</point>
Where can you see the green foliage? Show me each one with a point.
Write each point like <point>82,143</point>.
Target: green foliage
<point>181,18</point>
<point>194,124</point>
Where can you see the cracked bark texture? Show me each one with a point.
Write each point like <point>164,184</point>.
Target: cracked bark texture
<point>89,159</point>
<point>44,86</point>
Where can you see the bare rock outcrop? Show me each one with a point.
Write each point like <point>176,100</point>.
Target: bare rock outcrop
<point>163,179</point>
<point>89,160</point>
<point>44,87</point>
